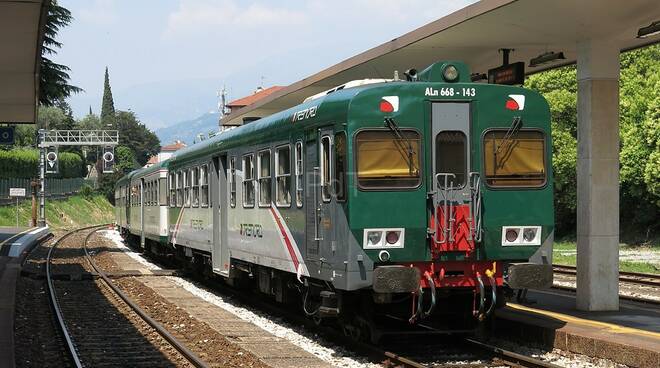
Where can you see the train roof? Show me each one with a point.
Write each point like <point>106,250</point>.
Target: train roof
<point>268,125</point>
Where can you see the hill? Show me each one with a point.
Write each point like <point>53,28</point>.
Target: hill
<point>187,130</point>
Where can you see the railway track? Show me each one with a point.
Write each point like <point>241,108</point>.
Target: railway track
<point>628,277</point>
<point>102,327</point>
<point>635,279</point>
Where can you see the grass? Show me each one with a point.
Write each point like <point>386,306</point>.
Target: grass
<point>564,253</point>
<point>75,211</point>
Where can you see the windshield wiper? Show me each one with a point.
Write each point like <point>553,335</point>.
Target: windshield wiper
<point>394,127</point>
<point>513,129</point>
<point>507,140</point>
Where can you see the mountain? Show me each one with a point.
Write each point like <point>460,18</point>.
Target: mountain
<point>187,130</point>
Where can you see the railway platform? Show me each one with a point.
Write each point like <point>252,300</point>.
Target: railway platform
<point>14,244</point>
<point>630,336</point>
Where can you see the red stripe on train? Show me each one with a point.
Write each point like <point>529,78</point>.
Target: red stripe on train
<point>287,241</point>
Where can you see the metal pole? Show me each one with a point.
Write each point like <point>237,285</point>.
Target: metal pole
<point>16,211</point>
<point>42,178</point>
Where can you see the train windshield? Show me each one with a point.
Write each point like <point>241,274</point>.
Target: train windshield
<point>516,160</point>
<point>387,161</point>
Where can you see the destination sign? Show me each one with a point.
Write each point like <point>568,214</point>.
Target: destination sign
<point>511,74</point>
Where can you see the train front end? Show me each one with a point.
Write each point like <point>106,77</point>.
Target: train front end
<point>453,193</point>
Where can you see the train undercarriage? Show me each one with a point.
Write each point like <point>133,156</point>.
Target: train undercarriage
<point>451,297</point>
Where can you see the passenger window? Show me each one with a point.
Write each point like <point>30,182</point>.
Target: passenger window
<point>451,157</point>
<point>264,179</point>
<point>325,168</point>
<point>179,188</point>
<point>204,185</point>
<point>172,183</point>
<point>248,181</point>
<point>299,174</point>
<point>283,176</point>
<point>340,166</point>
<point>187,180</point>
<point>232,182</point>
<point>162,191</point>
<point>195,186</point>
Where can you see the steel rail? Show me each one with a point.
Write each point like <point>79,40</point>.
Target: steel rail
<point>628,277</point>
<point>509,357</point>
<point>621,296</point>
<point>71,348</point>
<point>187,353</point>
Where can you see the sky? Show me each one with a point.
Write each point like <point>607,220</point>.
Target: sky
<point>168,58</point>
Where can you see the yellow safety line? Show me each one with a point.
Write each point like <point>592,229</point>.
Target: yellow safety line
<point>567,318</point>
<point>15,236</point>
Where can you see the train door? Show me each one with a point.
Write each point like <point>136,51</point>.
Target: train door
<point>220,199</point>
<point>127,204</point>
<point>321,205</point>
<point>452,217</point>
<point>142,212</point>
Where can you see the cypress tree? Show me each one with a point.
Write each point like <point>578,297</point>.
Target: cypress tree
<point>108,106</point>
<point>90,110</point>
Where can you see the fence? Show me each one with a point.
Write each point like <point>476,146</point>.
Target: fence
<point>54,187</point>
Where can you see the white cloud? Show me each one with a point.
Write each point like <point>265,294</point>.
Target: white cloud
<point>101,12</point>
<point>195,16</point>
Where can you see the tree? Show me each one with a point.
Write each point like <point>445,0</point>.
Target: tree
<point>54,78</point>
<point>108,118</point>
<point>639,129</point>
<point>143,142</point>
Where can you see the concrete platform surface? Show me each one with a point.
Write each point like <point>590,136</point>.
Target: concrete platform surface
<point>630,314</point>
<point>15,241</point>
<point>630,336</point>
<point>14,244</point>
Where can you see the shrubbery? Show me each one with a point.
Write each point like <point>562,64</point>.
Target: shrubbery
<point>24,163</point>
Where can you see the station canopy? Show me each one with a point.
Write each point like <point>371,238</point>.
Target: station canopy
<point>474,35</point>
<point>21,32</point>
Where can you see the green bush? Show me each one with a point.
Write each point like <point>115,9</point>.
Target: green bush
<point>24,163</point>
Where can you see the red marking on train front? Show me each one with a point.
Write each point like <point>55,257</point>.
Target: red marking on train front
<point>511,104</point>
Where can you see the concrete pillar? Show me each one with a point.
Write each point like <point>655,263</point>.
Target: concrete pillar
<point>598,176</point>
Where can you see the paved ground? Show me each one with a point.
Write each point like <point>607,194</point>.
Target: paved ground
<point>629,315</point>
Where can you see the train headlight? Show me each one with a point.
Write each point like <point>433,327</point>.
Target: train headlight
<point>511,235</point>
<point>529,234</point>
<point>383,238</point>
<point>392,237</point>
<point>521,235</point>
<point>450,73</point>
<point>374,237</point>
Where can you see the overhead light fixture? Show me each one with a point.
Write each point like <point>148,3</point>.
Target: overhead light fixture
<point>545,58</point>
<point>650,30</point>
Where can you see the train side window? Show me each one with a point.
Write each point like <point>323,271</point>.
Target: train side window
<point>195,186</point>
<point>264,179</point>
<point>172,188</point>
<point>232,182</point>
<point>299,174</point>
<point>283,176</point>
<point>326,164</point>
<point>204,186</point>
<point>187,183</point>
<point>248,180</point>
<point>179,188</point>
<point>162,191</point>
<point>340,166</point>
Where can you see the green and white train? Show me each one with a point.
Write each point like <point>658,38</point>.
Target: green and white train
<point>416,199</point>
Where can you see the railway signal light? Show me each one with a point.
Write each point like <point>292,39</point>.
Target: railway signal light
<point>52,162</point>
<point>108,160</point>
<point>7,135</point>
